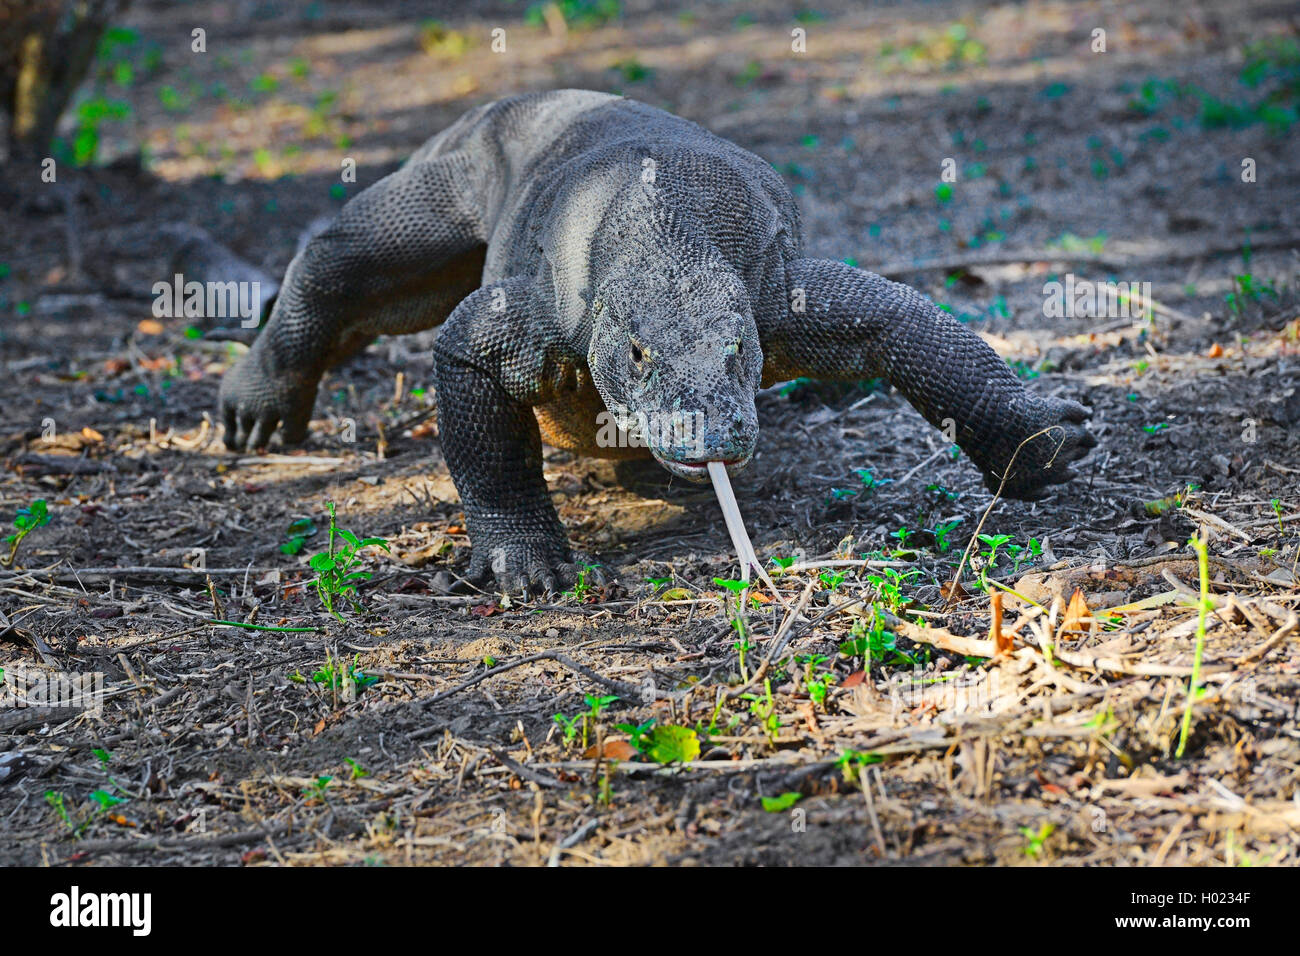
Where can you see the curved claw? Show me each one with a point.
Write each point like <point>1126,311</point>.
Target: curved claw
<point>1046,459</point>
<point>255,403</point>
<point>531,567</point>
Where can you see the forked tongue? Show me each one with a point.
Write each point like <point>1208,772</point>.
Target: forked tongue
<point>736,527</point>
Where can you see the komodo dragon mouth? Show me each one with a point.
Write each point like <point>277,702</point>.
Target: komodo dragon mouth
<point>698,472</point>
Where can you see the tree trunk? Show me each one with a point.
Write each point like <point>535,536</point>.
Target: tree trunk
<point>46,48</point>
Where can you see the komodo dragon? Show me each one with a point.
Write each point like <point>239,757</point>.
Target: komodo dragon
<point>589,254</point>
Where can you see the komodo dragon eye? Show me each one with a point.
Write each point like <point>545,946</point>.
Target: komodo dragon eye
<point>636,354</point>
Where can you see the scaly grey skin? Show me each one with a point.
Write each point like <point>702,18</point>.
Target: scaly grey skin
<point>585,253</point>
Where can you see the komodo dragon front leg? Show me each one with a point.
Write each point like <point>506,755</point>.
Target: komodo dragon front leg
<point>500,355</point>
<point>397,260</point>
<point>843,323</point>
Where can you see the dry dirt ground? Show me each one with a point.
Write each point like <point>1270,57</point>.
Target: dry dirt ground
<point>424,729</point>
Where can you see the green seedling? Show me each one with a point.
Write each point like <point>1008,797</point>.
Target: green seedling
<point>335,574</point>
<point>831,579</point>
<point>1276,505</point>
<point>902,535</point>
<point>357,771</point>
<point>870,482</point>
<point>60,805</point>
<point>764,708</point>
<point>316,790</point>
<point>568,727</point>
<point>581,589</point>
<point>25,522</point>
<point>941,533</point>
<point>1034,840</point>
<point>639,733</point>
<point>818,682</point>
<point>1204,605</point>
<point>871,641</point>
<point>595,707</point>
<point>333,673</point>
<point>851,762</point>
<point>297,535</point>
<point>989,559</point>
<point>889,586</point>
<point>742,647</point>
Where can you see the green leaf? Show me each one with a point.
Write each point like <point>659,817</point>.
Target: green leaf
<point>323,562</point>
<point>672,744</point>
<point>783,802</point>
<point>106,799</point>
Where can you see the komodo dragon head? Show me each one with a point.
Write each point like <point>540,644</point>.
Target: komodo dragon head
<point>676,357</point>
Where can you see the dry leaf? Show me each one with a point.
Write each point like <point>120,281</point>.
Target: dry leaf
<point>1216,351</point>
<point>854,679</point>
<point>614,750</point>
<point>150,327</point>
<point>1077,615</point>
<point>952,591</point>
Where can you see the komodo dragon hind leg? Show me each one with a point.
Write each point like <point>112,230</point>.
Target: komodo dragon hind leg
<point>397,259</point>
<point>855,325</point>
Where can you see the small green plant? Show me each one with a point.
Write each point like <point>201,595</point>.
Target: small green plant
<point>851,762</point>
<point>889,586</point>
<point>581,588</point>
<point>335,574</point>
<point>639,734</point>
<point>25,522</point>
<point>831,579</point>
<point>59,803</point>
<point>1035,839</point>
<point>316,790</point>
<point>1276,505</point>
<point>334,672</point>
<point>764,708</point>
<point>1204,605</point>
<point>818,682</point>
<point>357,771</point>
<point>742,647</point>
<point>1248,289</point>
<point>870,640</point>
<point>941,533</point>
<point>595,707</point>
<point>870,483</point>
<point>568,727</point>
<point>297,535</point>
